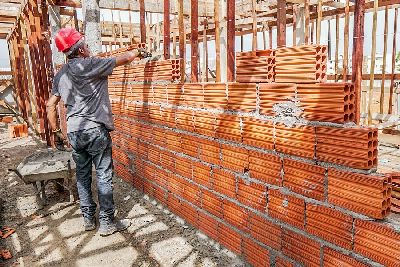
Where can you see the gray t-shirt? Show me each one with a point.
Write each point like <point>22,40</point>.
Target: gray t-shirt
<point>82,84</point>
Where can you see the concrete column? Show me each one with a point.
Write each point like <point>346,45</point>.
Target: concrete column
<point>91,16</point>
<point>300,27</point>
<point>55,26</point>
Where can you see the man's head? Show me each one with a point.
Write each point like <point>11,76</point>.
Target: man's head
<point>71,43</point>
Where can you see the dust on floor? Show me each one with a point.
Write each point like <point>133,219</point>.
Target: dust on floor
<point>54,236</point>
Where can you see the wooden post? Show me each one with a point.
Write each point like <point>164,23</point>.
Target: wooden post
<point>281,23</point>
<point>337,48</point>
<point>295,13</point>
<point>264,35</point>
<point>205,52</point>
<point>231,40</point>
<point>358,45</point>
<point>270,37</point>
<point>121,44</point>
<point>254,16</point>
<point>194,40</point>
<point>142,21</point>
<point>346,43</point>
<point>167,29</point>
<point>182,39</point>
<point>319,20</point>
<point>217,42</point>
<point>385,37</point>
<point>373,57</point>
<point>76,23</point>
<point>396,11</point>
<point>307,22</point>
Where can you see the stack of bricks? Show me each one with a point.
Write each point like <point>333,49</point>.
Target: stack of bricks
<point>396,193</point>
<point>277,193</point>
<point>18,130</point>
<point>256,66</point>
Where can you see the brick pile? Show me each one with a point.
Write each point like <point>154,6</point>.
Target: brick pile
<point>18,130</point>
<point>396,193</point>
<point>276,191</point>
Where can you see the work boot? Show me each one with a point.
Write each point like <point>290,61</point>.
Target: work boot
<point>106,229</point>
<point>89,223</point>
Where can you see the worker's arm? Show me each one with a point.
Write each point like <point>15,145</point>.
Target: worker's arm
<point>52,111</point>
<point>127,57</point>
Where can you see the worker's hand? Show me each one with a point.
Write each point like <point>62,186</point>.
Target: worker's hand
<point>59,140</point>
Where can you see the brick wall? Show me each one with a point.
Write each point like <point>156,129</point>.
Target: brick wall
<point>268,184</point>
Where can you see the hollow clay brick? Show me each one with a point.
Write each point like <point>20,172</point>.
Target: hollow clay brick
<point>211,203</point>
<point>333,258</point>
<point>255,66</point>
<point>202,174</point>
<point>208,225</point>
<point>209,151</point>
<point>377,241</point>
<point>224,183</point>
<point>230,238</point>
<point>242,97</point>
<point>193,94</point>
<point>281,262</point>
<point>265,231</point>
<point>215,95</point>
<point>304,178</point>
<point>185,120</point>
<point>265,167</point>
<point>190,214</point>
<point>183,167</point>
<point>205,123</point>
<point>175,94</point>
<point>190,145</point>
<point>235,215</point>
<point>252,195</point>
<point>228,127</point>
<point>330,225</point>
<point>301,248</point>
<point>255,254</point>
<point>192,193</point>
<point>272,94</point>
<point>234,158</point>
<point>286,208</point>
<point>175,184</point>
<point>258,133</point>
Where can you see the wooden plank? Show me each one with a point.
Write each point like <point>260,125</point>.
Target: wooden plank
<point>337,48</point>
<point>358,45</point>
<point>217,42</point>
<point>231,29</point>
<point>295,14</point>
<point>205,52</point>
<point>182,39</point>
<point>346,42</point>
<point>373,59</point>
<point>319,20</point>
<point>167,30</point>
<point>281,26</point>
<point>307,22</point>
<point>195,41</point>
<point>142,21</point>
<point>394,49</point>
<point>385,37</point>
<point>254,16</point>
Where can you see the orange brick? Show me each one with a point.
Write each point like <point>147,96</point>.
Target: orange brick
<point>209,151</point>
<point>255,254</point>
<point>184,167</point>
<point>18,130</point>
<point>333,258</point>
<point>153,154</point>
<point>228,127</point>
<point>192,194</point>
<point>242,97</point>
<point>205,123</point>
<point>258,133</point>
<point>160,177</point>
<point>211,203</point>
<point>202,174</point>
<point>275,93</point>
<point>167,160</point>
<point>265,231</point>
<point>148,188</point>
<point>120,156</point>
<point>174,204</point>
<point>172,141</point>
<point>365,194</point>
<point>281,262</point>
<point>224,183</point>
<point>234,158</point>
<point>301,249</point>
<point>175,184</point>
<point>161,195</point>
<point>193,94</point>
<point>168,117</point>
<point>330,225</point>
<point>185,120</point>
<point>235,215</point>
<point>175,94</point>
<point>377,241</point>
<point>305,179</point>
<point>252,195</point>
<point>265,167</point>
<point>190,214</point>
<point>298,140</point>
<point>123,172</point>
<point>286,208</point>
<point>215,95</point>
<point>230,238</point>
<point>190,145</point>
<point>208,225</point>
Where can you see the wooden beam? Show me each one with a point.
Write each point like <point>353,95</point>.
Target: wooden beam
<point>373,57</point>
<point>385,38</point>
<point>205,52</point>
<point>217,42</point>
<point>358,46</point>
<point>394,48</point>
<point>167,30</point>
<point>231,40</point>
<point>182,39</point>
<point>281,23</point>
<point>337,48</point>
<point>307,22</point>
<point>319,20</point>
<point>346,41</point>
<point>254,28</point>
<point>195,41</point>
<point>142,21</point>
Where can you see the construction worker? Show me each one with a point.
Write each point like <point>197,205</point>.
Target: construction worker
<point>82,84</point>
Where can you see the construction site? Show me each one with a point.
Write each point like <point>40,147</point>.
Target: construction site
<point>252,133</point>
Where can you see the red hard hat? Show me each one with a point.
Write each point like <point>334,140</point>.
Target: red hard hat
<point>66,38</point>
